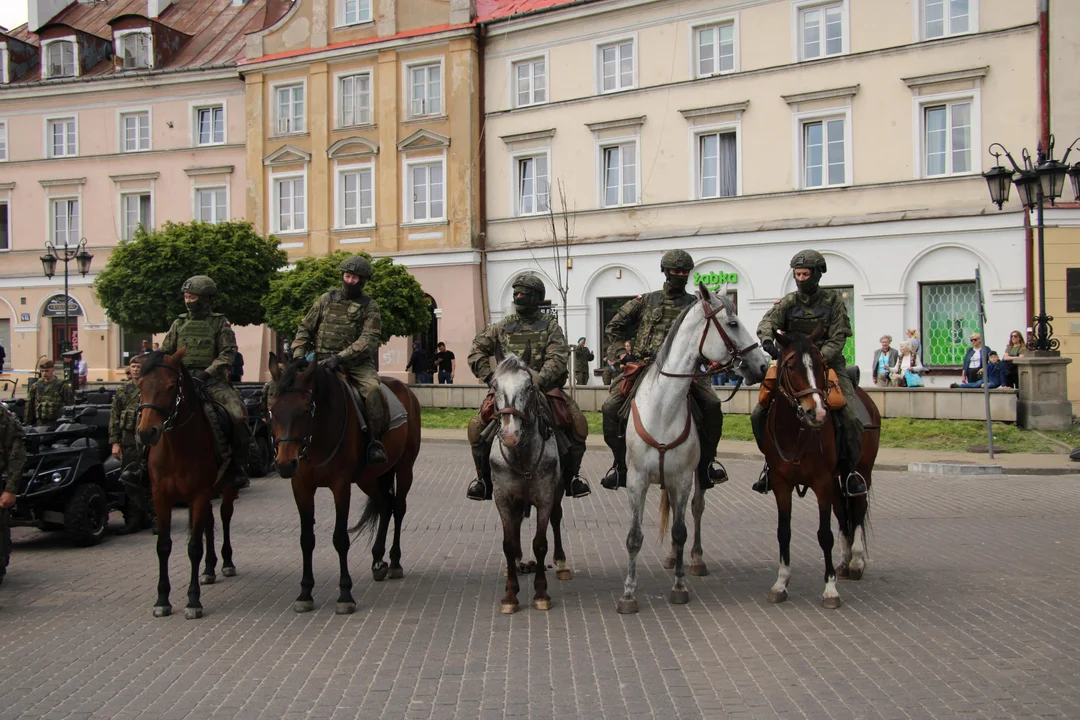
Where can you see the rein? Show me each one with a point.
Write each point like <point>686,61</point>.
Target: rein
<point>169,413</point>
<point>305,441</point>
<point>527,475</point>
<point>711,314</point>
<point>786,391</point>
<point>660,447</point>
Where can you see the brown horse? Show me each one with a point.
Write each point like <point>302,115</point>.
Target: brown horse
<point>319,444</point>
<point>800,448</point>
<point>183,469</point>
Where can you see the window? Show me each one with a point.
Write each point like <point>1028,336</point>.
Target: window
<point>210,205</point>
<point>947,139</point>
<point>135,131</point>
<point>210,125</point>
<point>134,51</point>
<point>60,59</point>
<point>533,185</point>
<point>616,66</point>
<point>65,222</point>
<point>62,137</point>
<point>530,82</point>
<point>426,192</point>
<point>5,228</point>
<point>824,153</point>
<point>946,17</point>
<point>717,171</point>
<point>821,30</point>
<point>3,141</point>
<point>425,90</point>
<point>290,204</point>
<point>136,210</point>
<point>355,99</point>
<point>290,109</point>
<point>949,313</point>
<point>620,174</point>
<point>354,12</point>
<point>356,197</point>
<point>715,48</point>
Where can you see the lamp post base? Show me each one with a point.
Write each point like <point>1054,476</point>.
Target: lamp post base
<point>1043,399</point>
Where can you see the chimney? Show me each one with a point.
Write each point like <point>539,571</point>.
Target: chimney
<point>154,8</point>
<point>42,11</point>
<point>462,11</point>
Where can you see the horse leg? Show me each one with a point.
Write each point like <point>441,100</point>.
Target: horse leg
<point>404,480</point>
<point>228,497</point>
<point>209,574</point>
<point>778,592</point>
<point>346,605</point>
<point>830,598</point>
<point>562,570</point>
<point>163,510</point>
<point>541,599</point>
<point>199,510</point>
<point>697,559</point>
<point>305,505</point>
<point>857,565</point>
<point>637,486</point>
<point>680,594</point>
<point>379,568</point>
<point>511,522</point>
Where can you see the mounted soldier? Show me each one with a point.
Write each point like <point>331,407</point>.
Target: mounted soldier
<point>210,348</point>
<point>344,330</point>
<point>808,310</point>
<point>47,397</point>
<point>528,328</point>
<point>645,321</point>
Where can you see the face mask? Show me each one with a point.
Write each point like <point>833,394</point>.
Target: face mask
<point>526,304</point>
<point>353,291</point>
<point>198,308</point>
<point>677,282</point>
<point>810,285</point>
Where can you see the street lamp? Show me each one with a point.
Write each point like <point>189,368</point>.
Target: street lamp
<point>1036,183</point>
<point>66,254</point>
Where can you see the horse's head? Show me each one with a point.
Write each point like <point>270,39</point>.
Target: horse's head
<point>515,398</point>
<point>160,394</point>
<point>727,340</point>
<point>802,377</point>
<point>292,412</point>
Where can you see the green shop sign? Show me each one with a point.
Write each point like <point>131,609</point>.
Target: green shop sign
<point>713,280</point>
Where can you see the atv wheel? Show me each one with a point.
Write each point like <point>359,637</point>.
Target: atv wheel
<point>259,462</point>
<point>87,515</point>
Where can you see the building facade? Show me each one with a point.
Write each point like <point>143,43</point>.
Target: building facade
<point>745,130</point>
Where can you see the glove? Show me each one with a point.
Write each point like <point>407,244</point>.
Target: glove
<point>201,376</point>
<point>332,363</point>
<point>298,353</point>
<point>487,380</point>
<point>770,347</point>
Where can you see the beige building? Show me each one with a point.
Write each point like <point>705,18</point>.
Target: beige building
<point>112,115</point>
<point>363,133</point>
<point>743,131</point>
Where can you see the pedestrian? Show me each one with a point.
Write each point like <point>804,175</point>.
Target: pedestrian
<point>47,397</point>
<point>916,346</point>
<point>885,359</point>
<point>236,372</point>
<point>12,456</point>
<point>906,372</point>
<point>609,370</point>
<point>974,360</point>
<point>445,365</point>
<point>419,364</point>
<point>84,371</point>
<point>123,422</point>
<point>145,348</point>
<point>3,356</point>
<point>995,375</point>
<point>582,357</point>
<point>1014,349</point>
<point>626,355</point>
<point>157,346</point>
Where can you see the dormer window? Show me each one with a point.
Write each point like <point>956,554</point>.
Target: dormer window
<point>60,59</point>
<point>133,50</point>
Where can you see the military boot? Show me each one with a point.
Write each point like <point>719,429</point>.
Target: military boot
<point>616,476</point>
<point>480,488</point>
<point>575,485</point>
<point>763,485</point>
<point>241,449</point>
<point>376,453</point>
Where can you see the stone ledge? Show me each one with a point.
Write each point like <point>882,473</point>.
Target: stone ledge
<point>955,469</point>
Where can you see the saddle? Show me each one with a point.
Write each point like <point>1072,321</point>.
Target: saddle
<point>560,414</point>
<point>631,374</point>
<point>220,424</point>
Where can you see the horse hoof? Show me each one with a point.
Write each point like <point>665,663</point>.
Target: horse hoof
<point>542,604</point>
<point>777,596</point>
<point>228,571</point>
<point>843,572</point>
<point>679,597</point>
<point>192,613</point>
<point>345,608</point>
<point>161,611</point>
<point>669,562</point>
<point>831,603</point>
<point>626,606</point>
<point>699,569</point>
<point>508,608</point>
<point>396,573</point>
<point>854,573</point>
<point>379,571</point>
<point>564,574</point>
<point>303,606</point>
<point>207,579</point>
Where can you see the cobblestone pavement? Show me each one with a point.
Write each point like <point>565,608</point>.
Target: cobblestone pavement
<point>969,609</point>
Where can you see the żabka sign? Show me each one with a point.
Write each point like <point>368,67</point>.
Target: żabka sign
<point>713,280</point>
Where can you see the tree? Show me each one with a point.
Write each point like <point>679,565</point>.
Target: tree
<point>405,309</point>
<point>140,287</point>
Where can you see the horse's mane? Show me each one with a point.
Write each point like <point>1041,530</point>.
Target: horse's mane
<point>800,343</point>
<point>289,374</point>
<point>511,364</point>
<point>665,349</point>
<point>152,361</point>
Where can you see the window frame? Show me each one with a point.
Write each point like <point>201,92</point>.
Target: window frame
<point>196,189</point>
<point>798,10</point>
<point>920,104</point>
<point>124,196</point>
<point>925,336</point>
<point>807,118</point>
<point>6,202</point>
<point>49,120</point>
<point>409,67</point>
<point>46,46</point>
<point>533,58</point>
<point>275,197</point>
<point>123,36</point>
<point>515,191</point>
<point>5,155</point>
<point>339,195</point>
<point>919,8</point>
<point>602,145</point>
<point>121,141</point>
<point>695,48</point>
<point>277,87</point>
<point>407,196</point>
<point>339,97</point>
<point>341,21</point>
<point>210,105</point>
<point>696,133</point>
<point>50,209</point>
<point>598,62</point>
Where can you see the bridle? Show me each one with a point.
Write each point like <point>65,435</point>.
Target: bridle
<point>305,441</point>
<point>527,419</point>
<point>712,320</point>
<point>169,413</point>
<point>792,396</point>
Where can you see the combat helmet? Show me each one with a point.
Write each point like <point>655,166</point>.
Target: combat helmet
<point>200,285</point>
<point>677,260</point>
<point>532,282</point>
<point>356,265</point>
<point>810,259</point>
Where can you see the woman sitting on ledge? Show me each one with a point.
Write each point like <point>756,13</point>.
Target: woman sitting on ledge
<point>997,375</point>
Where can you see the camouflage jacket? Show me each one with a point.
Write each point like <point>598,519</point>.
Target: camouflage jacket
<point>644,321</point>
<point>542,334</point>
<point>349,327</point>
<point>582,357</point>
<point>796,312</point>
<point>123,418</point>
<point>224,344</point>
<point>12,451</point>
<point>45,401</point>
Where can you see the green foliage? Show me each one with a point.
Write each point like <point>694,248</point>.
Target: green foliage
<point>405,309</point>
<point>140,287</point>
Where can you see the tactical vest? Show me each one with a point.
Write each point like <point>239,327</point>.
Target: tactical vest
<point>340,325</point>
<point>48,400</point>
<point>657,317</point>
<point>517,332</point>
<point>199,336</point>
<point>802,319</point>
<point>129,416</point>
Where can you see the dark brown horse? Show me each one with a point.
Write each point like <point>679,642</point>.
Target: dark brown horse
<point>800,448</point>
<point>319,444</point>
<point>183,469</point>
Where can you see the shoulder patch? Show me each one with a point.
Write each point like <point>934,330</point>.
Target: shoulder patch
<point>638,297</point>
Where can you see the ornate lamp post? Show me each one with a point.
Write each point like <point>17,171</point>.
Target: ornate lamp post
<point>66,254</point>
<point>1037,182</point>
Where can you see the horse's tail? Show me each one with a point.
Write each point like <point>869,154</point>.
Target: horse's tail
<point>665,513</point>
<point>369,518</point>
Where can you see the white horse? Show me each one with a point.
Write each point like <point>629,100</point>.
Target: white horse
<point>662,440</point>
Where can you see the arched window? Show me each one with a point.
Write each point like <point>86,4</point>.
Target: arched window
<point>60,59</point>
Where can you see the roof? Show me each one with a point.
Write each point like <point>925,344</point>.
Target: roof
<point>489,10</point>
<point>216,27</point>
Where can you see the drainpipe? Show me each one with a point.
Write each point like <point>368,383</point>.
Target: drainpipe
<point>481,158</point>
<point>1044,138</point>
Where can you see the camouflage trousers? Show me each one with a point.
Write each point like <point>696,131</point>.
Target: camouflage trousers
<point>365,378</point>
<point>226,395</point>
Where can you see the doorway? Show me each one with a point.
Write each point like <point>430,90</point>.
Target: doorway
<point>61,340</point>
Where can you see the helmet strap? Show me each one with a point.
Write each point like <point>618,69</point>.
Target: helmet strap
<point>353,291</point>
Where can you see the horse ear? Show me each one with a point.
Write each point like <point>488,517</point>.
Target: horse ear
<point>703,291</point>
<point>499,356</point>
<point>275,369</point>
<point>310,369</point>
<point>782,339</point>
<point>178,355</point>
<point>527,355</point>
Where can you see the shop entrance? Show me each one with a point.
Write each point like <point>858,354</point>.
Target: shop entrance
<point>61,340</point>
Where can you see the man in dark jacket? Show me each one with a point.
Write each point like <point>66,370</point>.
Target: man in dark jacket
<point>419,364</point>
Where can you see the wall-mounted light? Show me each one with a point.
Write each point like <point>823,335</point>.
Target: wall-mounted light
<point>569,263</point>
<point>618,273</point>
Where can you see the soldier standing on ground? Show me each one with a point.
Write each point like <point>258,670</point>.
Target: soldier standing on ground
<point>12,457</point>
<point>582,357</point>
<point>123,423</point>
<point>47,397</point>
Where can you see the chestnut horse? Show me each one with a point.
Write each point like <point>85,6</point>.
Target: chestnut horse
<point>319,443</point>
<point>183,469</point>
<point>800,447</point>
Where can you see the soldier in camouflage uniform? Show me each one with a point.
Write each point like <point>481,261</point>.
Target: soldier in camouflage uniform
<point>123,424</point>
<point>210,348</point>
<point>47,397</point>
<point>541,332</point>
<point>12,457</point>
<point>344,329</point>
<point>645,321</point>
<point>804,311</point>
<point>582,357</point>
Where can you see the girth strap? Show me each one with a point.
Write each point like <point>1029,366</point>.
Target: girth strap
<point>659,446</point>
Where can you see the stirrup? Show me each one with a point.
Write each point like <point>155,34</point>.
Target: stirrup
<point>582,487</point>
<point>376,453</point>
<point>764,483</point>
<point>483,493</point>
<point>854,478</point>
<point>614,479</point>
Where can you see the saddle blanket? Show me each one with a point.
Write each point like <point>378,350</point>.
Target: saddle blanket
<point>395,411</point>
